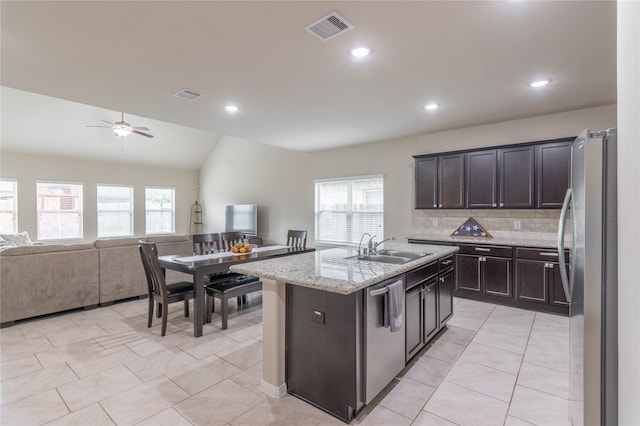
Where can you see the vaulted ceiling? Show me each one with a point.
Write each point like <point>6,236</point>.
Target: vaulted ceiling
<point>293,89</point>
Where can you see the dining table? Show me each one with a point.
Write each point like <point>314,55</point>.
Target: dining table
<point>200,266</point>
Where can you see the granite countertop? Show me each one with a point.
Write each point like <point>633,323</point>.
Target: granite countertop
<point>500,241</point>
<point>328,270</point>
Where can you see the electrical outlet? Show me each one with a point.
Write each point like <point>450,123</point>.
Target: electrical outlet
<point>434,222</point>
<point>516,224</point>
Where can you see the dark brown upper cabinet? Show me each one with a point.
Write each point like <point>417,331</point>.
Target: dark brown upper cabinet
<point>517,169</point>
<point>439,182</point>
<point>553,173</point>
<point>481,189</point>
<point>531,175</point>
<point>500,178</point>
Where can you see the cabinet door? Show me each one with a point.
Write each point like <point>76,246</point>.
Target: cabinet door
<point>445,297</point>
<point>517,177</point>
<point>556,292</point>
<point>426,183</point>
<point>468,272</point>
<point>451,181</point>
<point>553,170</point>
<point>531,280</point>
<point>431,323</point>
<point>413,321</point>
<point>481,189</point>
<point>496,276</point>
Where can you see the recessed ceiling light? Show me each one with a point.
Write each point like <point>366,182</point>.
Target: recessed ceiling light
<point>231,108</point>
<point>360,51</point>
<point>431,107</point>
<point>539,83</point>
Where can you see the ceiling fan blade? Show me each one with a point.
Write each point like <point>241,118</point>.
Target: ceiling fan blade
<point>137,132</point>
<point>144,129</point>
<point>107,122</point>
<point>108,127</point>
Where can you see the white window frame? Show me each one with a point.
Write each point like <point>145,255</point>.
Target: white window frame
<point>103,213</point>
<point>78,211</point>
<point>13,211</point>
<point>351,236</point>
<point>162,211</point>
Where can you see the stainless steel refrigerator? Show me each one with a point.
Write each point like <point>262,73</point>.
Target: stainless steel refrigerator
<point>589,215</point>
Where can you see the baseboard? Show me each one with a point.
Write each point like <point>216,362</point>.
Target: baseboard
<point>273,391</point>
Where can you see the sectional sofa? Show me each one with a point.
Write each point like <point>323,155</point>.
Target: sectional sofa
<point>43,279</point>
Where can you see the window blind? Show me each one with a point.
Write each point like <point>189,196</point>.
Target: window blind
<point>346,208</point>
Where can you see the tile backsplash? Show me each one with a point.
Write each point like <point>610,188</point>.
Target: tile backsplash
<point>536,224</point>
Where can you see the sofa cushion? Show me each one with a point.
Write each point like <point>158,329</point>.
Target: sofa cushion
<point>48,248</point>
<point>168,238</point>
<point>118,242</point>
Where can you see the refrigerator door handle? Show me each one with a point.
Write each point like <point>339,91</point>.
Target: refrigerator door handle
<point>561,228</point>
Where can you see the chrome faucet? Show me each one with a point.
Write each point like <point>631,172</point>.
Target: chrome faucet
<point>373,248</point>
<point>360,254</point>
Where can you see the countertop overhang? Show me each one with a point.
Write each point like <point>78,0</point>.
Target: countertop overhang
<point>329,270</point>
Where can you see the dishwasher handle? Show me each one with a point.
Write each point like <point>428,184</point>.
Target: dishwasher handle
<point>379,291</point>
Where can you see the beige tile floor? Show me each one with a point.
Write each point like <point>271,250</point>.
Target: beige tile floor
<point>492,365</point>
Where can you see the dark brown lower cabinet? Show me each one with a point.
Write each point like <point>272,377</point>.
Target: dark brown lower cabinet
<point>445,295</point>
<point>538,277</point>
<point>428,303</point>
<point>488,272</point>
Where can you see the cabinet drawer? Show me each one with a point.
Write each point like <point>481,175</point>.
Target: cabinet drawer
<point>419,275</point>
<point>549,255</point>
<point>445,264</point>
<point>483,250</point>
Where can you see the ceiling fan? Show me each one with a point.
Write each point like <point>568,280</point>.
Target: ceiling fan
<point>122,128</point>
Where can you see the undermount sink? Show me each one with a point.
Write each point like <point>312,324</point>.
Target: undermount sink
<point>409,254</point>
<point>398,260</point>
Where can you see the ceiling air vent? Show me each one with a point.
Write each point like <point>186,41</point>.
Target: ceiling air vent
<point>188,94</point>
<point>329,26</point>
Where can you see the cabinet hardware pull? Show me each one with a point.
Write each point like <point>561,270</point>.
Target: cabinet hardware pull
<point>447,262</point>
<point>482,249</point>
<point>435,205</point>
<point>441,279</point>
<point>495,205</point>
<point>542,253</point>
<point>501,204</point>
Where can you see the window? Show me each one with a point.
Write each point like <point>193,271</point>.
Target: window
<point>8,206</point>
<point>160,207</point>
<point>115,210</point>
<point>59,210</point>
<point>347,208</point>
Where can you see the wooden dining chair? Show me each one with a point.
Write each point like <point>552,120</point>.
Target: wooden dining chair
<point>228,239</point>
<point>205,243</point>
<point>162,294</point>
<point>297,239</point>
<point>208,244</point>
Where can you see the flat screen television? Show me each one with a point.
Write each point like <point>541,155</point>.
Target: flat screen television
<point>242,218</point>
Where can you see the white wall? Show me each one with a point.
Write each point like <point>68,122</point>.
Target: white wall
<point>239,171</point>
<point>30,168</point>
<point>281,181</point>
<point>628,211</point>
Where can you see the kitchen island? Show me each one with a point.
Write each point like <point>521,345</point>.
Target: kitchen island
<point>332,272</point>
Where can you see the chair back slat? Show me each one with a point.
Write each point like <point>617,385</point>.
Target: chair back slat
<point>228,239</point>
<point>297,239</point>
<point>155,278</point>
<point>205,243</point>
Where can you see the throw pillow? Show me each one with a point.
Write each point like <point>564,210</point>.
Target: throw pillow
<point>20,239</point>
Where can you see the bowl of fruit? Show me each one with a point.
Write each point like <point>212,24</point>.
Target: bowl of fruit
<point>241,247</point>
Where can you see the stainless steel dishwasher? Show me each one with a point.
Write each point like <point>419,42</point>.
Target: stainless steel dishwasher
<point>384,350</point>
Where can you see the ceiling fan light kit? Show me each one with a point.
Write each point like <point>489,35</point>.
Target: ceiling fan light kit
<point>122,128</point>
